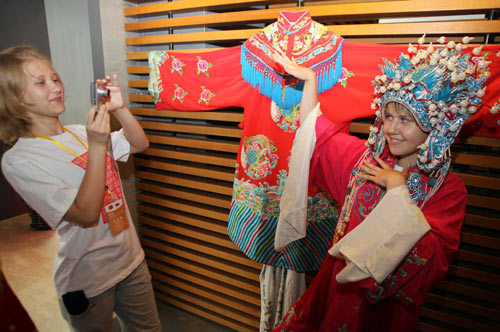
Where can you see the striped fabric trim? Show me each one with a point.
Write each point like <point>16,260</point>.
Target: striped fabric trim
<point>255,237</point>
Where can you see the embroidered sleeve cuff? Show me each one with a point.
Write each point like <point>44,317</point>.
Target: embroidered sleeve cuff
<point>383,239</point>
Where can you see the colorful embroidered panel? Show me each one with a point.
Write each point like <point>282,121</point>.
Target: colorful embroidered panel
<point>295,34</point>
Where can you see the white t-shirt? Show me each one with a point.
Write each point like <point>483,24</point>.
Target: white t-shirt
<point>89,258</point>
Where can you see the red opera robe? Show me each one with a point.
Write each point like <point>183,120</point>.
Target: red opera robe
<point>364,306</point>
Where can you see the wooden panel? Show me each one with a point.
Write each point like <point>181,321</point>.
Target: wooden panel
<point>188,156</point>
<point>187,195</point>
<point>490,313</point>
<point>223,266</point>
<point>474,257</point>
<point>206,282</point>
<point>490,224</point>
<point>193,4</point>
<point>269,15</point>
<point>207,144</point>
<point>220,297</point>
<point>213,212</point>
<point>202,171</point>
<point>213,115</point>
<point>483,202</point>
<point>476,160</point>
<point>469,291</point>
<point>192,129</point>
<point>479,181</point>
<point>455,320</point>
<point>207,186</point>
<point>475,275</point>
<point>184,218</point>
<point>251,285</point>
<point>412,8</point>
<point>437,28</point>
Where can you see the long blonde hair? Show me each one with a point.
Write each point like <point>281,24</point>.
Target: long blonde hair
<point>14,120</point>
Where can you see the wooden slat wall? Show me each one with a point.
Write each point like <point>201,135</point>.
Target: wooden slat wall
<point>185,179</point>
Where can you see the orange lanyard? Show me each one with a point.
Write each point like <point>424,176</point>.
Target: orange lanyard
<point>68,149</point>
<point>64,146</point>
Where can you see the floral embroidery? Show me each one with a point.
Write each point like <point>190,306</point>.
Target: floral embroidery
<point>179,93</point>
<point>400,295</point>
<point>415,259</point>
<point>414,184</point>
<point>383,289</point>
<point>258,156</point>
<point>202,66</point>
<point>364,201</point>
<point>176,65</point>
<point>345,75</point>
<point>265,199</point>
<point>343,329</point>
<point>286,119</point>
<point>205,95</point>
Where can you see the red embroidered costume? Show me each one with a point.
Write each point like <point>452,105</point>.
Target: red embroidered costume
<point>365,305</point>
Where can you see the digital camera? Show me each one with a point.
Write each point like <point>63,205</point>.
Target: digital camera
<point>99,94</point>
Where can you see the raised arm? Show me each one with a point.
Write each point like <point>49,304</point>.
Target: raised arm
<point>131,128</point>
<point>310,92</point>
<point>86,207</point>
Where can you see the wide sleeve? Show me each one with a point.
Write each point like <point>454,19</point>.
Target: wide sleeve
<point>197,81</point>
<point>334,157</point>
<point>377,245</point>
<point>427,262</point>
<point>292,221</point>
<point>46,194</point>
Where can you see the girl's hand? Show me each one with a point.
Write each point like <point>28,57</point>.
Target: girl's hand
<point>116,98</point>
<point>294,69</point>
<point>383,174</point>
<point>98,127</point>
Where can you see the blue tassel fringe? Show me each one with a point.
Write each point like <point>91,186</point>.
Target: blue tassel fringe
<point>326,78</point>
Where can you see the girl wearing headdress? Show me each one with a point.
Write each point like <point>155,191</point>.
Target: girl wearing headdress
<point>401,208</point>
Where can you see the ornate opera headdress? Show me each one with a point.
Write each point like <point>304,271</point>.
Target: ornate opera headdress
<point>442,86</point>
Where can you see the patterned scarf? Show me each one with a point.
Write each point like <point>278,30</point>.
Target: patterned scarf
<point>363,196</point>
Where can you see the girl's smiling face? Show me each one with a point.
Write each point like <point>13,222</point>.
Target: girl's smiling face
<point>43,90</point>
<point>403,134</point>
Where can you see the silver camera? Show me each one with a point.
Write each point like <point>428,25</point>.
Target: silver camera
<point>99,94</point>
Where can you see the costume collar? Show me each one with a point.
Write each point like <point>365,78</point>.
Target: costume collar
<point>293,22</point>
<point>310,43</point>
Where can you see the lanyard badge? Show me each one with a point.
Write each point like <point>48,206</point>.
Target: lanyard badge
<point>113,211</point>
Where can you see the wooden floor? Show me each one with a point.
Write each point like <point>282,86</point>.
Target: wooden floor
<point>27,262</point>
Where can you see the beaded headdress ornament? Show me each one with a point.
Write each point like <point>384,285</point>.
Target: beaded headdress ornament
<point>442,86</point>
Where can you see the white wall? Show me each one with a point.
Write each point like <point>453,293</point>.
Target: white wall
<point>70,49</point>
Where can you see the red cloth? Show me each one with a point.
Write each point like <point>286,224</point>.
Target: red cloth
<point>348,100</point>
<point>394,304</point>
<point>13,316</point>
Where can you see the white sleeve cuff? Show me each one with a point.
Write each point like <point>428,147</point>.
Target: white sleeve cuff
<point>376,246</point>
<point>292,221</point>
